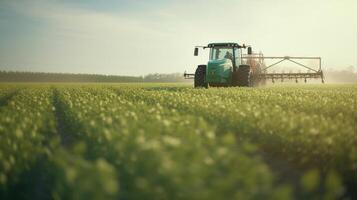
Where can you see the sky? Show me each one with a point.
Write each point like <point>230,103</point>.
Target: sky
<point>138,37</point>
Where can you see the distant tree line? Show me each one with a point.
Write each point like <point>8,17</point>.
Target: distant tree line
<point>175,77</point>
<point>12,76</point>
<point>61,77</point>
<point>347,75</point>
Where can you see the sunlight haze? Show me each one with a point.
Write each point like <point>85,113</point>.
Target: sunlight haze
<point>140,37</point>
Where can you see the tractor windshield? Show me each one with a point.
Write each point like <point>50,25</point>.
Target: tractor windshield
<point>218,53</point>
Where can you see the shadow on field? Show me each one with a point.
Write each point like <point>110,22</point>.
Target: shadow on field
<point>63,129</point>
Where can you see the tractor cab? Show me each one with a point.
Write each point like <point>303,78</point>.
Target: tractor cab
<point>219,51</point>
<point>231,51</point>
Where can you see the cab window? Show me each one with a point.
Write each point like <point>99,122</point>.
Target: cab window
<point>237,53</point>
<point>221,53</point>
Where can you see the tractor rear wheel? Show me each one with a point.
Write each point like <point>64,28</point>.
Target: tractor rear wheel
<point>200,76</point>
<point>243,76</point>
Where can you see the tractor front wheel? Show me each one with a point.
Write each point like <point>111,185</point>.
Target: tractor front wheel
<point>200,75</point>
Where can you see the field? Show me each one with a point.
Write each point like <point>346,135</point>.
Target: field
<point>170,141</point>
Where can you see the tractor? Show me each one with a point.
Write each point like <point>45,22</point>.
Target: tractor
<point>228,66</point>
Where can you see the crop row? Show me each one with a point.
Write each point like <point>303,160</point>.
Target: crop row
<point>160,153</point>
<point>23,125</point>
<point>311,128</point>
<point>33,164</point>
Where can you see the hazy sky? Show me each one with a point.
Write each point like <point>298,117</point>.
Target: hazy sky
<point>137,37</point>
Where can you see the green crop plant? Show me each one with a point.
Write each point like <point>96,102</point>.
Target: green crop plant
<point>155,141</point>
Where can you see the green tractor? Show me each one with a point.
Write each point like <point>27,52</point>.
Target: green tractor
<point>226,67</point>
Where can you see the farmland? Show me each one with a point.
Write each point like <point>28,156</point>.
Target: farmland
<point>170,141</point>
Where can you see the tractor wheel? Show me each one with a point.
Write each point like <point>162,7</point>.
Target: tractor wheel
<point>200,76</point>
<point>235,78</point>
<point>243,76</point>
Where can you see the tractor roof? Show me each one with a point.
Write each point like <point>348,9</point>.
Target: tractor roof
<point>223,44</point>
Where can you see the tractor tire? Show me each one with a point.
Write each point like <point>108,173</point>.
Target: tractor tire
<point>200,75</point>
<point>235,78</point>
<point>244,76</point>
